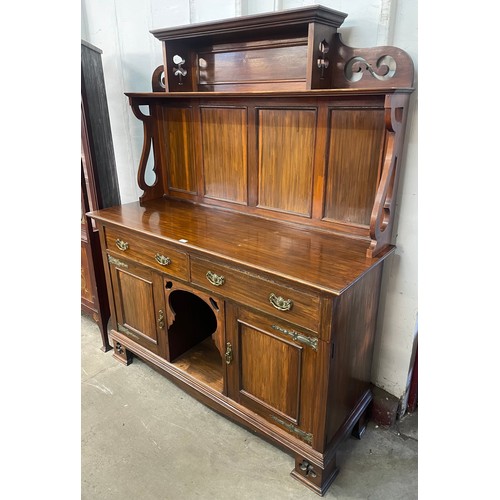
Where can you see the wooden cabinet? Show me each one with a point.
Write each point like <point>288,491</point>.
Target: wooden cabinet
<point>274,370</point>
<point>99,184</point>
<point>249,271</point>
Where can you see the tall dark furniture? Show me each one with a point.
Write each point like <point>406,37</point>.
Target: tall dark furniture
<point>99,184</point>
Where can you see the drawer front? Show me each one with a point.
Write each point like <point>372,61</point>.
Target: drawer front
<point>152,253</point>
<point>292,305</point>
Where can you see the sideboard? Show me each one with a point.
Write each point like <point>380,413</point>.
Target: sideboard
<point>249,271</point>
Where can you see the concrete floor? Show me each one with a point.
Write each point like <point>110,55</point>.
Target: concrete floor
<point>143,438</point>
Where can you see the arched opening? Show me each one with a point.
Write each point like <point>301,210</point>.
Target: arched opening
<point>190,337</point>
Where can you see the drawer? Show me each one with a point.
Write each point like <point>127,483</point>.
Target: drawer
<point>150,252</point>
<point>247,289</point>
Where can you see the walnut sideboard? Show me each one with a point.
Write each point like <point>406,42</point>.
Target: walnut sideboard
<point>249,272</point>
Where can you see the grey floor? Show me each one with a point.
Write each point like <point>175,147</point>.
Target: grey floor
<point>145,439</point>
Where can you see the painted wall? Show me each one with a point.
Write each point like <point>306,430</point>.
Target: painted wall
<point>120,28</point>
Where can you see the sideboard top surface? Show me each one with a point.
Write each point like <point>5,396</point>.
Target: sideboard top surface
<point>317,259</point>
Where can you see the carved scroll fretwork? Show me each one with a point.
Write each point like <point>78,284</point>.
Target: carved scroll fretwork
<point>385,66</point>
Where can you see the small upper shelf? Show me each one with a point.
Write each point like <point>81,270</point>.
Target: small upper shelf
<point>293,50</point>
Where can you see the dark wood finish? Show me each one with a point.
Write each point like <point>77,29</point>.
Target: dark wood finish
<point>274,375</point>
<point>286,151</point>
<point>272,214</point>
<point>179,149</point>
<point>99,185</point>
<point>285,253</point>
<point>318,350</point>
<point>257,63</point>
<point>139,303</point>
<point>98,128</point>
<point>121,354</point>
<point>353,335</point>
<point>272,51</point>
<point>370,68</point>
<point>224,153</point>
<point>355,151</point>
<point>250,289</point>
<point>123,244</point>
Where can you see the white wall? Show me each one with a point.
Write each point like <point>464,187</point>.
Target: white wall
<point>120,28</point>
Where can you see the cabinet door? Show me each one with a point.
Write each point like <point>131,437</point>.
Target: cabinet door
<point>138,297</point>
<point>271,373</point>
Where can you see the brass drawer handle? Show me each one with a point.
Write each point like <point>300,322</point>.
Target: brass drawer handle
<point>280,303</point>
<point>162,260</point>
<point>122,245</point>
<point>215,279</point>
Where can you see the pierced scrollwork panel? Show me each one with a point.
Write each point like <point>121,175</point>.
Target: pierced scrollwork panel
<point>384,66</point>
<point>383,69</point>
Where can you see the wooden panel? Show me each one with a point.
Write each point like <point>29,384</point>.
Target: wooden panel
<point>353,338</point>
<point>224,138</point>
<point>273,374</point>
<point>286,152</point>
<point>178,149</point>
<point>356,140</point>
<point>270,370</point>
<point>258,62</point>
<point>136,294</point>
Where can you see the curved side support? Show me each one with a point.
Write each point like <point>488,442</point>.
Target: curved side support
<point>146,146</point>
<point>150,191</point>
<point>382,217</point>
<point>384,66</point>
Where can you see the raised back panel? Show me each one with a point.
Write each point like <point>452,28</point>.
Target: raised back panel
<point>224,145</point>
<point>177,129</point>
<point>353,162</point>
<point>259,63</point>
<point>286,139</point>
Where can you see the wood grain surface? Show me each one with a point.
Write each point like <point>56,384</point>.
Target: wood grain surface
<point>317,259</point>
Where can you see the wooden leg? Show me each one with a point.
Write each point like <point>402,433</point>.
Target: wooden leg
<point>121,354</point>
<point>314,477</point>
<point>102,322</point>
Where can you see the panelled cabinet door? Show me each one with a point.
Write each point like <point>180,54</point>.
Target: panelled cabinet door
<point>138,297</point>
<point>271,373</point>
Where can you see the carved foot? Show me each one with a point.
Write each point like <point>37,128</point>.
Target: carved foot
<point>313,476</point>
<point>121,354</point>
